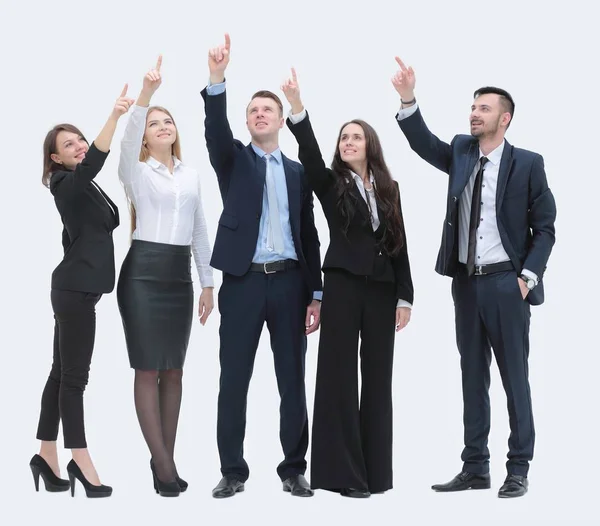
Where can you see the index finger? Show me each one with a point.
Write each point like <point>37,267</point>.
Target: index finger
<point>294,77</point>
<point>227,41</point>
<point>158,63</point>
<point>401,64</point>
<point>124,92</point>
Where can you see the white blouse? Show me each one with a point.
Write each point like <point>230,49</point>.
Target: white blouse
<point>168,206</point>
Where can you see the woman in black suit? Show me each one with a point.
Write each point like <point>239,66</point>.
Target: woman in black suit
<point>86,272</point>
<point>367,291</point>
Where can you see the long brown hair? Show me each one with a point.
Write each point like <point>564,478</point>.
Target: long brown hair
<point>386,191</point>
<point>50,148</point>
<point>145,154</point>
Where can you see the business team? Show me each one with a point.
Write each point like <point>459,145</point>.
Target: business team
<point>496,241</point>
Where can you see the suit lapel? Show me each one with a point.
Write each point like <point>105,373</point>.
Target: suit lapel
<point>106,201</point>
<point>503,173</point>
<point>470,159</point>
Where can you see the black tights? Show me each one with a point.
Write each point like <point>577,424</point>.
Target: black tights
<point>157,397</point>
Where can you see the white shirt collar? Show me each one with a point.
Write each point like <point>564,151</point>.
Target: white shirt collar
<point>495,156</point>
<point>358,178</point>
<point>152,162</point>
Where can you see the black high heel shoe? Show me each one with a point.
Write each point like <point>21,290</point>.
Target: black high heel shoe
<point>165,489</point>
<point>183,485</point>
<point>91,490</point>
<point>52,483</point>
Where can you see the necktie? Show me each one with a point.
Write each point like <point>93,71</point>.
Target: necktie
<point>475,216</point>
<point>274,231</point>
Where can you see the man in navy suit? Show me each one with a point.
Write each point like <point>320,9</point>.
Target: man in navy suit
<point>268,249</point>
<point>497,238</point>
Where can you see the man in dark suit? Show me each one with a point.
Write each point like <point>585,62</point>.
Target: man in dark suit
<point>268,249</point>
<point>497,238</point>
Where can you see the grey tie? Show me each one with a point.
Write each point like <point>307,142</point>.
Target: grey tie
<point>274,232</point>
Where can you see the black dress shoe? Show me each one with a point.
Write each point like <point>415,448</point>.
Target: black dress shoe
<point>227,487</point>
<point>183,485</point>
<point>464,481</point>
<point>514,486</point>
<point>40,468</point>
<point>298,486</point>
<point>355,493</point>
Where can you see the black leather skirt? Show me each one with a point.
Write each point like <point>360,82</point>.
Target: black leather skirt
<point>156,301</point>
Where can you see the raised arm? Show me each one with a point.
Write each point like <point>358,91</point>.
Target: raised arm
<point>429,147</point>
<point>131,144</point>
<point>69,183</point>
<point>217,132</point>
<point>319,176</point>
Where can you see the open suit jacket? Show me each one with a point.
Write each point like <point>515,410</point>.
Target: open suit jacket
<point>241,175</point>
<point>525,207</point>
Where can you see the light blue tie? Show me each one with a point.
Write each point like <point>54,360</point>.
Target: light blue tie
<point>274,232</point>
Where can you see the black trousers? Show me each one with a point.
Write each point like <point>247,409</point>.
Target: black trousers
<point>491,314</point>
<point>62,399</point>
<point>245,304</point>
<point>352,443</point>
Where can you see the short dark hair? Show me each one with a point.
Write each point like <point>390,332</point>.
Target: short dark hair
<point>266,94</point>
<point>505,98</point>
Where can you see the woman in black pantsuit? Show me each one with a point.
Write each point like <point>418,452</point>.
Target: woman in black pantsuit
<point>367,293</point>
<point>86,272</point>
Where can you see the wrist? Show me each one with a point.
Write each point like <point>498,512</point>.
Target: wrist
<point>297,107</point>
<point>217,77</point>
<point>408,99</point>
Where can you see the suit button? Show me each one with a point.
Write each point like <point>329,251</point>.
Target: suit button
<point>454,198</point>
<point>449,223</point>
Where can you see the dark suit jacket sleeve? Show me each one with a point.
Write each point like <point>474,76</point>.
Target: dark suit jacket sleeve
<point>433,150</point>
<point>542,214</point>
<point>401,264</point>
<point>66,184</point>
<point>311,246</point>
<point>219,137</point>
<point>319,176</point>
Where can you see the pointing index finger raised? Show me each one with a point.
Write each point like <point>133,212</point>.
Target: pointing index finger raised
<point>227,41</point>
<point>294,77</point>
<point>124,92</point>
<point>401,64</point>
<point>158,63</point>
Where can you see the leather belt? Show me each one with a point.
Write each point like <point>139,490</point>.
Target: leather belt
<point>274,266</point>
<point>482,270</point>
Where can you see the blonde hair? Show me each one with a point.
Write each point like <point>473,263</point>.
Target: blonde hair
<point>145,154</point>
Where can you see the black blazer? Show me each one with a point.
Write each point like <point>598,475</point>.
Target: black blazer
<point>525,206</point>
<point>89,261</point>
<point>241,175</point>
<point>356,251</point>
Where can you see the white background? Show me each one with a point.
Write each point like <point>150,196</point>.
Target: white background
<point>67,61</point>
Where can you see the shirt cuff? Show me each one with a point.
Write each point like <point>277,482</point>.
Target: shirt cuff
<point>142,110</point>
<point>215,89</point>
<point>298,117</point>
<point>531,275</point>
<point>318,295</point>
<point>403,113</point>
<point>403,303</point>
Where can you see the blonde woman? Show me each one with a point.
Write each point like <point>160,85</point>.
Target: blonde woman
<point>154,291</point>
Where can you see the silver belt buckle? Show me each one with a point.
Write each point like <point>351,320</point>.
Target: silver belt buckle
<point>478,270</point>
<point>266,271</point>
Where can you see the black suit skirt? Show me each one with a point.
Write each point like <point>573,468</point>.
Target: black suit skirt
<point>156,301</point>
